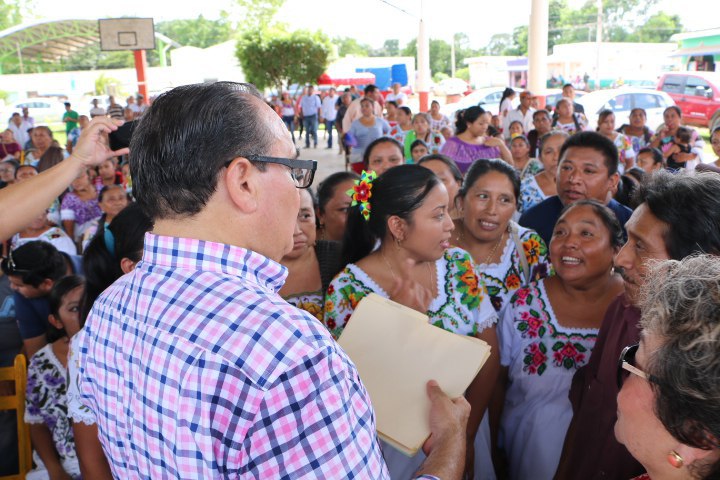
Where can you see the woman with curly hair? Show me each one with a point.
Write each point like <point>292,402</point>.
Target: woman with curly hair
<point>668,402</point>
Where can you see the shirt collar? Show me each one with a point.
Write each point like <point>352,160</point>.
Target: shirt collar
<point>202,255</point>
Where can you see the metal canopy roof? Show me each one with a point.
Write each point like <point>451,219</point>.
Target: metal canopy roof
<point>51,41</point>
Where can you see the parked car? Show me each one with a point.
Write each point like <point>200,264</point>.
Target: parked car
<point>553,95</point>
<point>622,101</point>
<point>487,98</point>
<point>451,86</point>
<point>697,94</point>
<point>43,110</point>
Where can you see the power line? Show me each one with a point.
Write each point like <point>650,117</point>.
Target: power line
<point>399,8</point>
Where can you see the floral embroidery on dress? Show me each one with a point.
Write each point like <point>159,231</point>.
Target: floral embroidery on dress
<point>568,354</point>
<point>504,278</point>
<point>46,403</point>
<point>311,302</point>
<point>462,305</point>
<point>530,193</point>
<point>536,324</point>
<point>535,358</point>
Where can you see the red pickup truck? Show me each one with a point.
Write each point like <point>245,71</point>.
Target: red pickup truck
<point>697,94</point>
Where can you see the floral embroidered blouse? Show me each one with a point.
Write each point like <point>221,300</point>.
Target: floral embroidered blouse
<point>530,193</point>
<point>311,302</point>
<point>46,403</point>
<point>462,305</point>
<point>504,278</point>
<point>542,356</point>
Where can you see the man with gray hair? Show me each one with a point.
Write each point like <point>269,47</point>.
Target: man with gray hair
<point>192,365</point>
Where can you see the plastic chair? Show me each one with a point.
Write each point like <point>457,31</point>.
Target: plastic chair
<point>18,375</point>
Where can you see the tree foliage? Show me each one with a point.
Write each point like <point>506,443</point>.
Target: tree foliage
<point>278,58</point>
<point>256,15</point>
<point>623,21</point>
<point>350,46</point>
<point>199,32</point>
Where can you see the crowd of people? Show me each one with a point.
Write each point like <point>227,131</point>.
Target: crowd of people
<point>179,300</point>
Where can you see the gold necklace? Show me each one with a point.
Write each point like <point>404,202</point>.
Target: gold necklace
<point>492,253</point>
<point>395,278</point>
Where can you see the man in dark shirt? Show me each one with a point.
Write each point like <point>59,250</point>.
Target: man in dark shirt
<point>679,215</point>
<point>32,270</point>
<point>588,169</point>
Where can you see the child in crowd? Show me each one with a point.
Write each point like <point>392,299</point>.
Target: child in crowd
<point>446,132</point>
<point>516,129</point>
<point>40,229</point>
<point>418,149</point>
<point>46,400</point>
<point>681,144</point>
<point>112,200</point>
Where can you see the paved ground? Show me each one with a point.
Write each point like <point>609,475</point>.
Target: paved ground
<point>329,160</point>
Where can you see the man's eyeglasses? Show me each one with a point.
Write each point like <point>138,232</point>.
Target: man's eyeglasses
<point>302,171</point>
<point>626,366</point>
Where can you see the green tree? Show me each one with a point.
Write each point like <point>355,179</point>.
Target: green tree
<point>199,32</point>
<point>391,48</point>
<point>278,59</point>
<point>256,15</point>
<point>12,13</point>
<point>659,28</point>
<point>439,55</point>
<point>500,44</point>
<point>350,46</point>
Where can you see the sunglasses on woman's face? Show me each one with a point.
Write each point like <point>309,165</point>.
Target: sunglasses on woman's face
<point>626,366</point>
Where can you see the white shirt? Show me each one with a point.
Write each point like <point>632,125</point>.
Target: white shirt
<point>516,114</point>
<point>400,98</point>
<point>97,112</point>
<point>328,108</point>
<point>20,133</point>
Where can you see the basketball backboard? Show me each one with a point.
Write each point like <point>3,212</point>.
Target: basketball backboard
<point>127,33</point>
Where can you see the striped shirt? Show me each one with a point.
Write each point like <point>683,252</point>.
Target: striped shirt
<point>194,367</point>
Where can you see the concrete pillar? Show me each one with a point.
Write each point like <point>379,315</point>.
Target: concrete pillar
<point>537,48</point>
<point>423,50</point>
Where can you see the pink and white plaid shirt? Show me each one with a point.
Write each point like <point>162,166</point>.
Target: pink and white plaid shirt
<point>194,367</point>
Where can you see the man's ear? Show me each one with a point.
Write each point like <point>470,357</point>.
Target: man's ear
<point>127,265</point>
<point>613,182</point>
<point>46,285</point>
<point>241,183</point>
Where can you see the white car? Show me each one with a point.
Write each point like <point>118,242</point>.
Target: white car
<point>451,86</point>
<point>487,98</point>
<point>43,110</point>
<point>622,100</point>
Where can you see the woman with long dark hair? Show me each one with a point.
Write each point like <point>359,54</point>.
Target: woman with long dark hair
<point>471,141</point>
<point>113,252</point>
<point>401,251</point>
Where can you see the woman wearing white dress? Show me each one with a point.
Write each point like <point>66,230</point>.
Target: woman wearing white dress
<point>548,331</point>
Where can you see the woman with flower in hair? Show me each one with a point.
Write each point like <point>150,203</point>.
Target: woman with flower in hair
<point>548,330</point>
<point>397,245</point>
<point>507,256</point>
<point>471,141</point>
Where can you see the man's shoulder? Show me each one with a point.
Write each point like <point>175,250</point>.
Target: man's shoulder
<point>549,206</point>
<point>622,212</point>
<point>240,325</point>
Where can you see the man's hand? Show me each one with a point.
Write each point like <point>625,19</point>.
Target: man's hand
<point>448,418</point>
<point>93,146</point>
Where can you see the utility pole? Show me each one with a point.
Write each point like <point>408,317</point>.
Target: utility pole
<point>598,43</point>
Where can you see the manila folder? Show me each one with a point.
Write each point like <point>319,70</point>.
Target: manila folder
<point>396,352</point>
